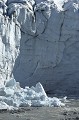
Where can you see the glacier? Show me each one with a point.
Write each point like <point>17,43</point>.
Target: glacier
<point>39,42</point>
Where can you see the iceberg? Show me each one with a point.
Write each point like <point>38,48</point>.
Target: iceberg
<point>12,96</point>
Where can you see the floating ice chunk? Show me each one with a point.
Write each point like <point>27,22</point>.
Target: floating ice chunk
<point>55,102</point>
<point>12,96</point>
<point>9,91</point>
<point>17,87</point>
<point>10,83</point>
<point>3,106</point>
<point>25,104</point>
<point>33,88</point>
<point>8,101</point>
<point>38,103</point>
<point>2,91</point>
<point>65,99</point>
<point>39,88</point>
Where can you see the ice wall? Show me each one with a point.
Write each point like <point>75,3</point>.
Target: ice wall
<point>9,43</point>
<point>40,42</point>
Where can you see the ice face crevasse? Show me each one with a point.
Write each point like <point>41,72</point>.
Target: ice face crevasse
<point>39,42</point>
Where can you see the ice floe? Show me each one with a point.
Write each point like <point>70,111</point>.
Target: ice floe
<point>13,96</point>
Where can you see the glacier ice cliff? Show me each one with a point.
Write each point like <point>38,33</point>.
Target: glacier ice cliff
<point>39,41</point>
